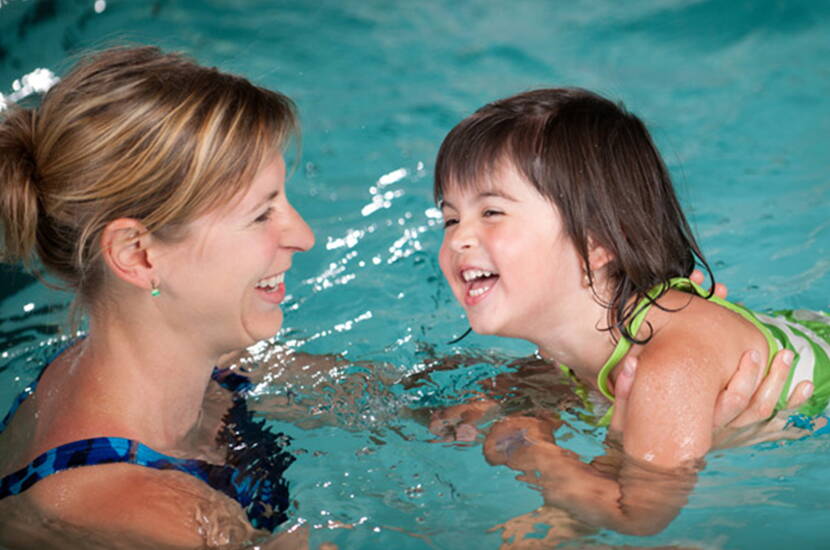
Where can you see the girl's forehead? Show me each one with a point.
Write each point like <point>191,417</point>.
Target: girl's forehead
<point>502,181</point>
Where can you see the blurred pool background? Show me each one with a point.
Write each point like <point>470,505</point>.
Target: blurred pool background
<point>736,92</point>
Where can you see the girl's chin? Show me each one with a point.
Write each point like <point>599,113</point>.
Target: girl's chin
<point>489,327</point>
<point>480,326</point>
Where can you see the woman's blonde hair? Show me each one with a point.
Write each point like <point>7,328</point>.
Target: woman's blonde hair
<point>128,133</point>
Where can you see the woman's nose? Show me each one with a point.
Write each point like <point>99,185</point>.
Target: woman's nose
<point>298,235</point>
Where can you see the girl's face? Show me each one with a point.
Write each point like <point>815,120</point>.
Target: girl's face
<point>226,278</point>
<point>507,258</point>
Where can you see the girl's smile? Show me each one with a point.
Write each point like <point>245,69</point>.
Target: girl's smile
<point>479,282</point>
<point>506,256</point>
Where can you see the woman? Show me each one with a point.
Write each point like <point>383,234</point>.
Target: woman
<point>155,189</point>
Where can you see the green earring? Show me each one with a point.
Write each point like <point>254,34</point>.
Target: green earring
<point>155,290</point>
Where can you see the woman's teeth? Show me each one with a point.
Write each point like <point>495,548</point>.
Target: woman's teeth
<point>271,283</point>
<point>478,291</point>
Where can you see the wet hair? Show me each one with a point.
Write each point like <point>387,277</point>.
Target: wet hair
<point>128,133</point>
<point>597,164</point>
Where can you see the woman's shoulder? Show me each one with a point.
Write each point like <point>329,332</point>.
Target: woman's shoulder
<point>140,506</point>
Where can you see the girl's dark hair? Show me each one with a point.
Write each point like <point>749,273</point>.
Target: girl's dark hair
<point>597,164</point>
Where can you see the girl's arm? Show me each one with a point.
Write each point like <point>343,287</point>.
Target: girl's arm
<point>743,409</point>
<point>612,492</point>
<point>616,491</point>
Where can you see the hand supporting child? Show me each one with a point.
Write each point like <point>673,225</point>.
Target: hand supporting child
<point>744,410</point>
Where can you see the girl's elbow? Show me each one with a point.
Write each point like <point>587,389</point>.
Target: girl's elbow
<point>643,527</point>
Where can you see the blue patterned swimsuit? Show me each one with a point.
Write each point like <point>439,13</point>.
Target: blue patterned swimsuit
<point>252,476</point>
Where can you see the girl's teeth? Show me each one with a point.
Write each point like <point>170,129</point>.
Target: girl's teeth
<point>472,274</point>
<point>478,291</point>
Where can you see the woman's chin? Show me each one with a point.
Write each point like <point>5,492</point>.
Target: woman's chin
<point>264,329</point>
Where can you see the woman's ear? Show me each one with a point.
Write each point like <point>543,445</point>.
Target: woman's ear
<point>125,246</point>
<point>598,255</point>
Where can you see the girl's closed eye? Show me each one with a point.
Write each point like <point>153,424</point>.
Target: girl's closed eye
<point>449,222</point>
<point>489,213</point>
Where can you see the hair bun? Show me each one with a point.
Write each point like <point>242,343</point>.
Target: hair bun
<point>18,187</point>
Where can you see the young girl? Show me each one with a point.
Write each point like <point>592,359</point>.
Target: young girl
<point>562,228</point>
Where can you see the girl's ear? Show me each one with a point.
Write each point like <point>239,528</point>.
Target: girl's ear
<point>125,244</point>
<point>598,255</point>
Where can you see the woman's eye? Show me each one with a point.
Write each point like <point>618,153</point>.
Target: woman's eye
<point>449,222</point>
<point>488,213</point>
<point>265,216</point>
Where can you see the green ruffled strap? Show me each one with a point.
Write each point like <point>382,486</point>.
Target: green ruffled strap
<point>623,345</point>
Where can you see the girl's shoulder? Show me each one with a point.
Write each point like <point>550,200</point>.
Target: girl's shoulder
<point>689,330</point>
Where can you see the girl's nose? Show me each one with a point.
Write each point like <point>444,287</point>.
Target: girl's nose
<point>463,238</point>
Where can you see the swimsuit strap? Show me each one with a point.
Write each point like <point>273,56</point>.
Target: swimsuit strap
<point>263,500</point>
<point>232,381</point>
<point>684,284</point>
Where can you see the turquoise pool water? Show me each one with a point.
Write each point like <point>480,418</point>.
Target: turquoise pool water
<point>737,95</point>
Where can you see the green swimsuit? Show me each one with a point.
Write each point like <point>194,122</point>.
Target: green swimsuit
<point>806,333</point>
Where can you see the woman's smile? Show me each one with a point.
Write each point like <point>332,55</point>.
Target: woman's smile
<point>272,288</point>
<point>238,258</point>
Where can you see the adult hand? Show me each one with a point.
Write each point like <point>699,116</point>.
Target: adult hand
<point>743,409</point>
<point>746,418</point>
<point>698,278</point>
<point>740,413</point>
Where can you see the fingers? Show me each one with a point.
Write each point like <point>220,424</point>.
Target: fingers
<point>756,423</point>
<point>466,432</point>
<point>800,394</point>
<point>765,399</point>
<point>733,400</point>
<point>720,289</point>
<point>448,431</point>
<point>622,390</point>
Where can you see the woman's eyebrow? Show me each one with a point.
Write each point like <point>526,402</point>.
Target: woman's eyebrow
<point>268,198</point>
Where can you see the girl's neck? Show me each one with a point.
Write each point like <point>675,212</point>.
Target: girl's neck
<point>579,339</point>
<point>584,352</point>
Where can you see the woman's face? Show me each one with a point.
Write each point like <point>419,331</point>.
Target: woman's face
<point>224,281</point>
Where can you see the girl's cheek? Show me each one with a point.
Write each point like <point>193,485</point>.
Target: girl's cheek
<point>442,263</point>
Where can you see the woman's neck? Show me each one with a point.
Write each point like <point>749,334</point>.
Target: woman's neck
<point>146,380</point>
